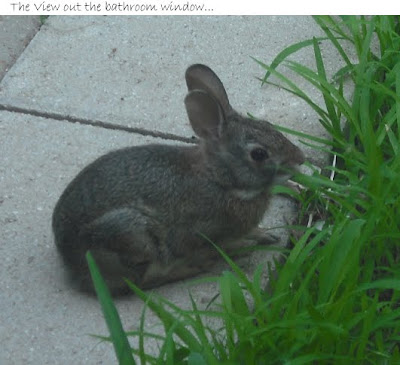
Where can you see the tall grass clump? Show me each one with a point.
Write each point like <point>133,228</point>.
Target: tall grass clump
<point>335,299</point>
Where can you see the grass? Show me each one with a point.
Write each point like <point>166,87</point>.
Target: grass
<point>335,299</point>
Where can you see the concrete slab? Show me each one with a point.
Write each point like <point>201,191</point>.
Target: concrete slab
<point>43,320</point>
<point>130,70</point>
<point>15,34</point>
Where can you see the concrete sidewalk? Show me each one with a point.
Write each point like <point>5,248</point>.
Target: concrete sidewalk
<point>71,95</point>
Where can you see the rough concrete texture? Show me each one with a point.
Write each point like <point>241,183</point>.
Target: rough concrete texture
<point>15,34</point>
<point>130,71</point>
<point>125,71</point>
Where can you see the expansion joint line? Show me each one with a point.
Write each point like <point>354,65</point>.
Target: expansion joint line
<point>96,123</point>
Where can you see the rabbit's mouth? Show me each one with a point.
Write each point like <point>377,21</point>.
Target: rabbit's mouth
<point>285,173</point>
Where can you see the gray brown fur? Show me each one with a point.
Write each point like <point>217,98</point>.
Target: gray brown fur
<point>140,210</point>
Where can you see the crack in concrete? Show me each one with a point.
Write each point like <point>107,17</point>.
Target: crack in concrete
<point>97,123</point>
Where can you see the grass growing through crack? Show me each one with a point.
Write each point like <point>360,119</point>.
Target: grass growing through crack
<point>336,298</point>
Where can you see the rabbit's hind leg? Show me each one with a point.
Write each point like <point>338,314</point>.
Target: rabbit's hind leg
<point>123,244</point>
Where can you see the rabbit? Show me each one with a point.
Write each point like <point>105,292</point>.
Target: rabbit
<point>148,213</point>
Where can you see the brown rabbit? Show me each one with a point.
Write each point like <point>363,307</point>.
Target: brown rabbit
<point>143,211</point>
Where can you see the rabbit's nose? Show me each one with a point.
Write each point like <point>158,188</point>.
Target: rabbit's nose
<point>299,157</point>
<point>294,157</point>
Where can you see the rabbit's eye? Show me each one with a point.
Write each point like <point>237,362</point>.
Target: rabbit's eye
<point>259,154</point>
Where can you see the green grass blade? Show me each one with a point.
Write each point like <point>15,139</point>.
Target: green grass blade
<point>321,72</point>
<point>286,53</point>
<point>339,258</point>
<point>309,137</point>
<point>232,295</point>
<point>167,318</point>
<point>320,21</point>
<point>381,284</point>
<point>294,89</point>
<point>240,274</point>
<point>199,326</point>
<point>111,316</point>
<point>327,89</point>
<point>397,100</point>
<point>141,349</point>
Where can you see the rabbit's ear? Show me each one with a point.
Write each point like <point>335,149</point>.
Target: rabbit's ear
<point>205,114</point>
<point>201,77</point>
